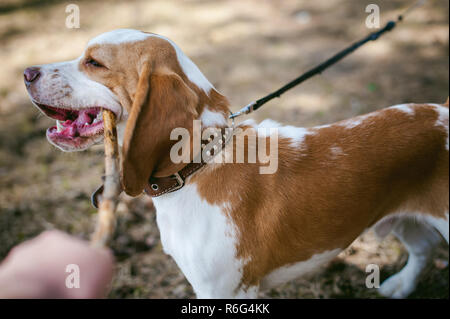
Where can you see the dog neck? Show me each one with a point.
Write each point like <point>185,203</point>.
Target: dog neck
<point>213,110</point>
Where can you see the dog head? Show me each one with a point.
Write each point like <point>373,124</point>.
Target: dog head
<point>145,79</point>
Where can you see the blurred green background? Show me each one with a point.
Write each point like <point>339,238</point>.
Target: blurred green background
<point>247,48</point>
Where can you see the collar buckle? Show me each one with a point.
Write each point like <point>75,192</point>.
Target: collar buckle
<point>179,180</point>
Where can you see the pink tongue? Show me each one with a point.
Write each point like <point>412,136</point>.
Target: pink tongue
<point>70,131</point>
<point>83,117</point>
<point>72,128</point>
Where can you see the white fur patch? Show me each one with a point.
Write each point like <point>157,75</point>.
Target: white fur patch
<point>356,121</point>
<point>443,119</point>
<point>211,119</point>
<point>287,273</point>
<point>384,226</point>
<point>70,88</point>
<point>336,151</point>
<point>121,128</point>
<point>268,123</point>
<point>202,240</point>
<point>189,68</point>
<point>418,234</point>
<point>441,224</point>
<point>119,36</point>
<point>405,108</point>
<point>295,134</point>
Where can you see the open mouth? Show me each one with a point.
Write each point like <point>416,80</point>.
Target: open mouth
<point>74,128</point>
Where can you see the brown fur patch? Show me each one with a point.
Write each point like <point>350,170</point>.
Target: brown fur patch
<point>315,203</point>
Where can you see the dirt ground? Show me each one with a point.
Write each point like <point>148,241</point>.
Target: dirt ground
<point>247,48</point>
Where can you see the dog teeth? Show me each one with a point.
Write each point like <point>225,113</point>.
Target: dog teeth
<point>59,126</point>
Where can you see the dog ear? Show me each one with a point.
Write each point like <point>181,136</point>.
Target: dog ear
<point>162,102</point>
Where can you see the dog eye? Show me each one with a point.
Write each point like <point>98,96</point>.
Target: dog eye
<point>94,63</point>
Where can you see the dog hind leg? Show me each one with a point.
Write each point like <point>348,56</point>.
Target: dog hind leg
<point>419,239</point>
<point>441,224</point>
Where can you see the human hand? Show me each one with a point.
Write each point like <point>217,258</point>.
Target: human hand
<point>37,268</point>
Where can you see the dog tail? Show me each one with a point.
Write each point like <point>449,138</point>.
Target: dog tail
<point>446,103</point>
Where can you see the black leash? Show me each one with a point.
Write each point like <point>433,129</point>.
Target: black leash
<point>321,67</point>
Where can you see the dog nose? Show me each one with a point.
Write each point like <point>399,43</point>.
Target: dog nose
<point>31,74</point>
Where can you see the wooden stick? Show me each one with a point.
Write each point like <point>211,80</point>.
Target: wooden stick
<point>106,213</point>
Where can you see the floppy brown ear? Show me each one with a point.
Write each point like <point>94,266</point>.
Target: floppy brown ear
<point>162,102</point>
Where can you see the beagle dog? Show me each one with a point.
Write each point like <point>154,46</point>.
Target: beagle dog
<point>231,229</point>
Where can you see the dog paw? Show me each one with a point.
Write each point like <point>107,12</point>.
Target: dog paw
<point>397,287</point>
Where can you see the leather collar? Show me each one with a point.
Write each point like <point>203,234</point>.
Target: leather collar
<point>158,186</point>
